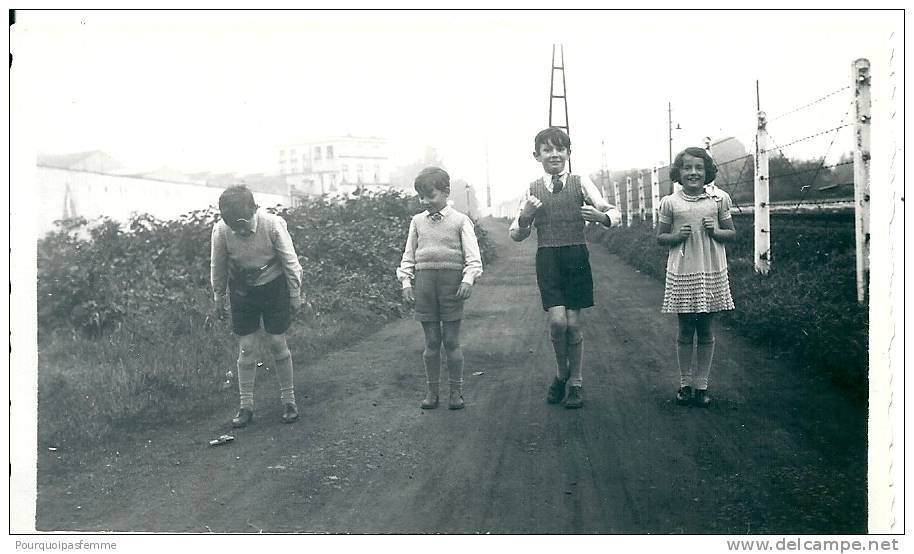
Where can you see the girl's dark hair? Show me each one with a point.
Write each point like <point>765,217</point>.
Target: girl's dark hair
<point>236,201</point>
<point>433,178</point>
<point>710,167</point>
<point>554,136</point>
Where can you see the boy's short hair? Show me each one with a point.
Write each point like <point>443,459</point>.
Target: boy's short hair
<point>236,201</point>
<point>554,136</point>
<point>710,166</point>
<point>433,178</point>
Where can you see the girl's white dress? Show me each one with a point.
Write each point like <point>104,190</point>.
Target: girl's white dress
<point>696,270</point>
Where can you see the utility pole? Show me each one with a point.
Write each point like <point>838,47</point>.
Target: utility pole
<point>669,110</point>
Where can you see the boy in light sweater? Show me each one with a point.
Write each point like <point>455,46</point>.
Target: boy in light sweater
<point>440,263</point>
<point>252,254</point>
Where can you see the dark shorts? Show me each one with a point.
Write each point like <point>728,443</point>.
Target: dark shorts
<point>270,301</point>
<point>564,277</point>
<point>436,295</point>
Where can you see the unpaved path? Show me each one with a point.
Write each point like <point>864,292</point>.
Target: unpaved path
<point>780,451</point>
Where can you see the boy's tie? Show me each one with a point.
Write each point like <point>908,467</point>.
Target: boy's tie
<point>436,217</point>
<point>556,184</point>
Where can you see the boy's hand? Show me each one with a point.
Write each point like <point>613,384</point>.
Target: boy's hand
<point>589,213</point>
<point>708,224</point>
<point>464,291</point>
<point>408,295</point>
<point>295,302</point>
<point>531,204</point>
<point>685,232</point>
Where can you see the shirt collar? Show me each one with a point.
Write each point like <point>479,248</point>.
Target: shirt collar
<point>443,211</point>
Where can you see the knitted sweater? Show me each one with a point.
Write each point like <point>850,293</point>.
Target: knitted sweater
<point>439,245</point>
<point>449,243</point>
<point>559,222</point>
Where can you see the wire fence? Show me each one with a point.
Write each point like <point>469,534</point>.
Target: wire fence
<point>811,166</point>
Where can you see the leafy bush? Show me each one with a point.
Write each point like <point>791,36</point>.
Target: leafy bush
<point>126,326</point>
<point>806,304</point>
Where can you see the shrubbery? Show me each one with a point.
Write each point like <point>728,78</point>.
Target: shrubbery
<point>807,303</point>
<point>125,312</point>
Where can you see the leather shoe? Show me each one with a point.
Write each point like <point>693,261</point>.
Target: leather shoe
<point>243,417</point>
<point>702,399</point>
<point>556,391</point>
<point>575,398</point>
<point>455,401</point>
<point>430,402</point>
<point>290,413</point>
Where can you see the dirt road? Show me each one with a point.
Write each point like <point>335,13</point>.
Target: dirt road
<point>780,451</point>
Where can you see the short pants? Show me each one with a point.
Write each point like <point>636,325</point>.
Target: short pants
<point>564,277</point>
<point>270,301</point>
<point>436,295</point>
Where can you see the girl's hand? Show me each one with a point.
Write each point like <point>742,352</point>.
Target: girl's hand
<point>685,232</point>
<point>464,291</point>
<point>295,302</point>
<point>708,224</point>
<point>408,295</point>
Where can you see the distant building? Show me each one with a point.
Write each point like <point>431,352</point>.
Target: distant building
<point>335,165</point>
<point>94,161</point>
<point>93,184</point>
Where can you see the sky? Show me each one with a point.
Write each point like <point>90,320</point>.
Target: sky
<point>223,90</point>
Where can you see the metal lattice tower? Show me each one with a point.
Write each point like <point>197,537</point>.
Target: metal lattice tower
<point>558,66</point>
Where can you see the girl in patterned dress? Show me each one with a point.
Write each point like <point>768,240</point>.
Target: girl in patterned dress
<point>695,223</point>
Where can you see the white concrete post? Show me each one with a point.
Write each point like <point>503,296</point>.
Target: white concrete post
<point>862,175</point>
<point>762,217</point>
<point>642,207</point>
<point>630,214</point>
<point>617,194</point>
<point>655,196</point>
<point>707,141</point>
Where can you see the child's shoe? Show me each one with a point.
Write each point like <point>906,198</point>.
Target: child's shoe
<point>243,417</point>
<point>289,412</point>
<point>455,401</point>
<point>702,399</point>
<point>575,398</point>
<point>556,391</point>
<point>684,395</point>
<point>430,402</point>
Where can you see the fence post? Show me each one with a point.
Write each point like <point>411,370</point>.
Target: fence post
<point>707,141</point>
<point>628,201</point>
<point>617,195</point>
<point>862,175</point>
<point>655,195</point>
<point>642,208</point>
<point>762,216</point>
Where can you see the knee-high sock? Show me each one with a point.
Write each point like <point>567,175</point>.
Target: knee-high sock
<point>285,377</point>
<point>561,357</point>
<point>684,360</point>
<point>455,370</point>
<point>576,359</point>
<point>432,361</point>
<point>703,364</point>
<point>246,373</point>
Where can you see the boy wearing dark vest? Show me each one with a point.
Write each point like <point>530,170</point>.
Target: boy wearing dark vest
<point>440,263</point>
<point>557,204</point>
